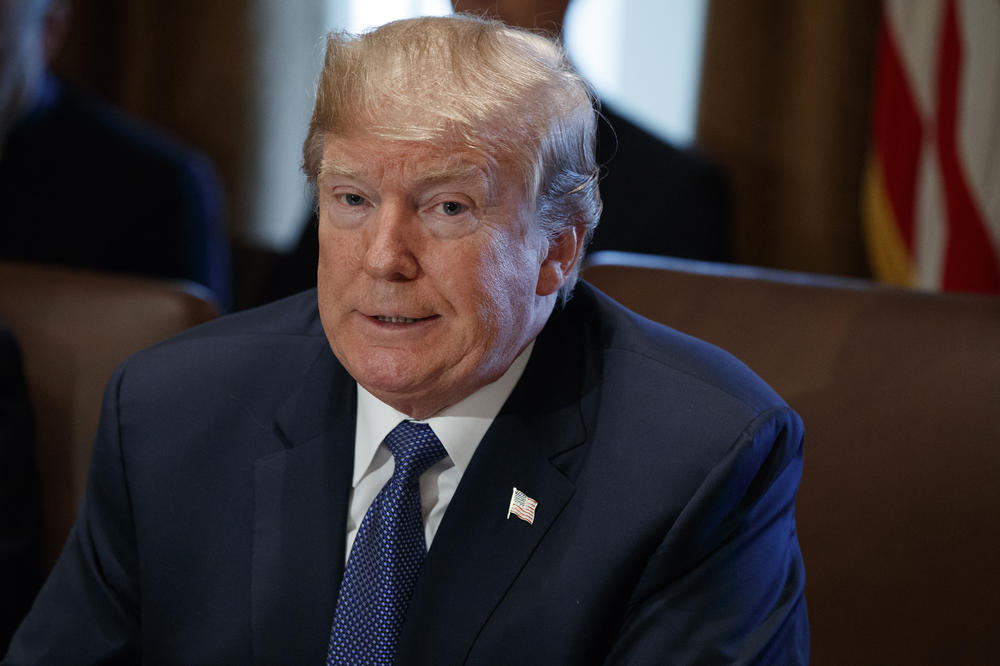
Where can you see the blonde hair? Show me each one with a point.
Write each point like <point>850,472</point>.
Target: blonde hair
<point>505,92</point>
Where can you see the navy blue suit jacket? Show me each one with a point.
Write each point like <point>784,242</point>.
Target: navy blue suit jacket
<point>213,526</point>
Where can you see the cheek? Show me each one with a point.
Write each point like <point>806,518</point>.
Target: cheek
<point>513,266</point>
<point>339,251</point>
<point>506,280</point>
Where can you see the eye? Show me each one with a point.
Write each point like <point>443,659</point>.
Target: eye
<point>352,199</point>
<point>452,208</point>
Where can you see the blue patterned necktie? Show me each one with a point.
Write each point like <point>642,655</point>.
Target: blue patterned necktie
<point>387,555</point>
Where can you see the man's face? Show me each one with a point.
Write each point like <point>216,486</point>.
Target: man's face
<point>432,277</point>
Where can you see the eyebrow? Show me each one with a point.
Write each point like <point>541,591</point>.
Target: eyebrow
<point>328,167</point>
<point>460,172</point>
<point>463,171</point>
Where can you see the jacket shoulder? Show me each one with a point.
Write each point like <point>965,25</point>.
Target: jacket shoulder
<point>296,315</point>
<point>646,349</point>
<point>256,351</point>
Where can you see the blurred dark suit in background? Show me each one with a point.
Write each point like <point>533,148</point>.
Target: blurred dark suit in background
<point>20,496</point>
<point>83,186</point>
<point>658,198</point>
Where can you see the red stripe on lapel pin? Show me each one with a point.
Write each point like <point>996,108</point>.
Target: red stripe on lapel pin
<point>522,506</point>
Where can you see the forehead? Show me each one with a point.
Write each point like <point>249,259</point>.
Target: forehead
<point>372,158</point>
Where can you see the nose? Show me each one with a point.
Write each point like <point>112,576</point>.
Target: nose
<point>390,238</point>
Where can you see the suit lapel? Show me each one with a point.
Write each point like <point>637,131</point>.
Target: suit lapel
<point>478,552</point>
<point>300,504</point>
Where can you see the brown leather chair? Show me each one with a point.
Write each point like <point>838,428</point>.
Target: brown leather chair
<point>900,394</point>
<point>74,327</point>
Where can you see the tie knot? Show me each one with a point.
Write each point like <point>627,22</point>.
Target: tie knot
<point>414,448</point>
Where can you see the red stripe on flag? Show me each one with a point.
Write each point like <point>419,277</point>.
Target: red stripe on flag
<point>897,132</point>
<point>970,261</point>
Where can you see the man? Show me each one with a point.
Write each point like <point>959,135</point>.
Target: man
<point>127,199</point>
<point>588,486</point>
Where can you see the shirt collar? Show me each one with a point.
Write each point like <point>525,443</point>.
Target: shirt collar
<point>460,427</point>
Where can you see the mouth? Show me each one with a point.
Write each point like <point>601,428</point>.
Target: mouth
<point>399,319</point>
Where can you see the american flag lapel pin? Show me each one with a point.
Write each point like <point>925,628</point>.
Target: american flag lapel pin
<point>522,506</point>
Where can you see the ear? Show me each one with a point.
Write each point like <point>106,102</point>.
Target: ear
<point>559,262</point>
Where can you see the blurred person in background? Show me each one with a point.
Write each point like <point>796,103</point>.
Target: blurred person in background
<point>83,186</point>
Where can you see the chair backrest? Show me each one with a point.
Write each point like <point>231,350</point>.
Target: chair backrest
<point>900,394</point>
<point>74,327</point>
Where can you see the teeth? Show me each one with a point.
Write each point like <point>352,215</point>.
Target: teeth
<point>395,320</point>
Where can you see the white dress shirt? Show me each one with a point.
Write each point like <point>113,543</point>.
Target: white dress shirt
<point>460,428</point>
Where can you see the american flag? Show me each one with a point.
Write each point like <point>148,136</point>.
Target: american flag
<point>522,506</point>
<point>930,202</point>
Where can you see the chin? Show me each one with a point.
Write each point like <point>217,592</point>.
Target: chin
<point>387,372</point>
